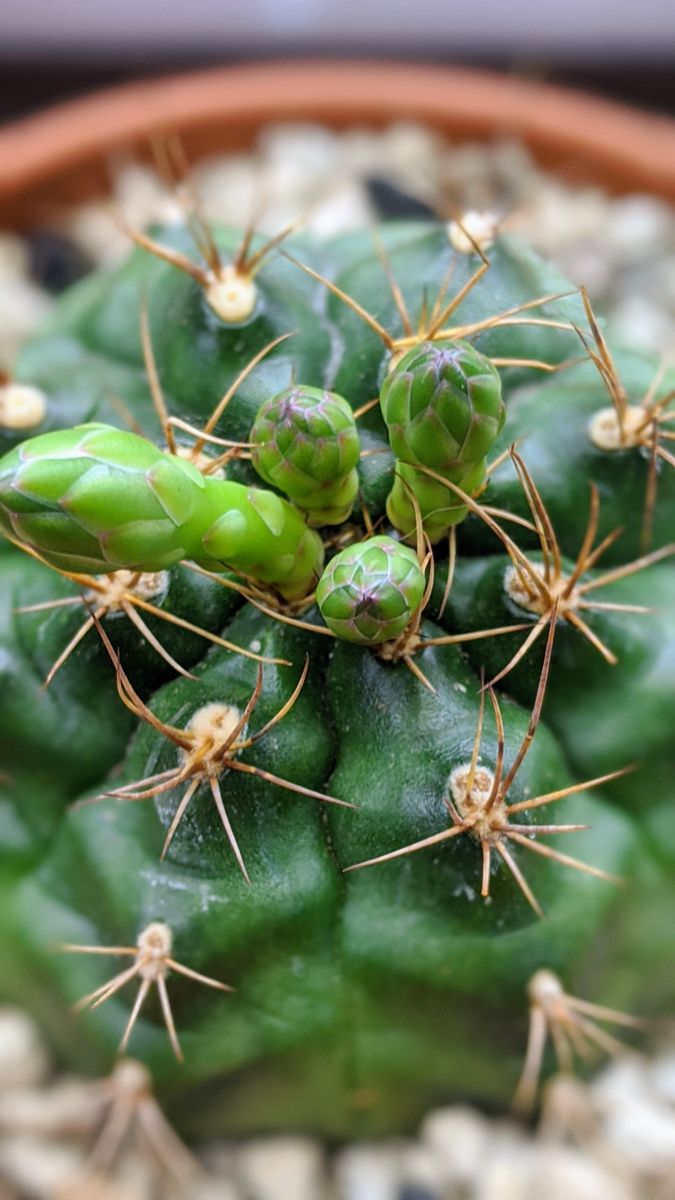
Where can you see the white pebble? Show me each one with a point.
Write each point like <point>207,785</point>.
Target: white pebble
<point>560,1173</point>
<point>23,1058</point>
<point>144,198</point>
<point>296,160</point>
<point>214,1189</point>
<point>14,257</point>
<point>362,152</point>
<point>620,1082</point>
<point>66,1108</point>
<point>663,274</point>
<point>514,166</point>
<point>22,307</point>
<point>346,207</point>
<point>413,156</point>
<point>460,1139</point>
<point>369,1172</point>
<point>282,1169</point>
<point>636,1123</point>
<point>418,1168</point>
<point>38,1167</point>
<point>228,189</point>
<point>662,1078</point>
<point>642,323</point>
<point>587,263</point>
<point>308,147</point>
<point>639,226</point>
<point>643,1133</point>
<point>95,228</point>
<point>557,217</point>
<point>503,1178</point>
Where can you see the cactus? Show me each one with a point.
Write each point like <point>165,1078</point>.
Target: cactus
<point>345,789</point>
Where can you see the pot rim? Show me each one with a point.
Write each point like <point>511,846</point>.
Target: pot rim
<point>62,155</point>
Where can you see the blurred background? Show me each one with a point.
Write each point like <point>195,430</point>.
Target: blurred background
<point>54,49</point>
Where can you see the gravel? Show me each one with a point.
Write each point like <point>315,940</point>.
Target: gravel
<point>612,1139</point>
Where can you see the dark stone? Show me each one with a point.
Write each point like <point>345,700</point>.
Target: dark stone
<point>393,204</point>
<point>417,1191</point>
<point>55,261</point>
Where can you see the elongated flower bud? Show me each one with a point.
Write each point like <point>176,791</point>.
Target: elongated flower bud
<point>369,592</point>
<point>440,508</point>
<point>95,498</point>
<point>443,407</point>
<point>306,444</point>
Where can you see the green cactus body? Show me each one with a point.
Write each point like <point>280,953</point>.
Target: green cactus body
<point>365,990</point>
<point>637,726</point>
<point>336,954</point>
<point>557,419</point>
<point>57,740</point>
<point>369,592</point>
<point>96,499</point>
<point>306,444</point>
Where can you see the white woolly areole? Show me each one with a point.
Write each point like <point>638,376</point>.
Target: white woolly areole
<point>211,728</point>
<point>520,589</point>
<point>605,429</point>
<point>115,588</point>
<point>154,943</point>
<point>131,1078</point>
<point>514,586</point>
<point>544,988</point>
<point>471,804</point>
<point>231,295</point>
<point>21,406</point>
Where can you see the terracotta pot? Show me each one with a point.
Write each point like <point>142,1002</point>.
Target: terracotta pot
<point>61,156</point>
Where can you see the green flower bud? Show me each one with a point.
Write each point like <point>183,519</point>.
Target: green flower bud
<point>443,407</point>
<point>369,592</point>
<point>97,499</point>
<point>439,506</point>
<point>306,444</point>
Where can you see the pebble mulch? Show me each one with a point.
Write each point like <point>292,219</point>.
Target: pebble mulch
<point>611,1140</point>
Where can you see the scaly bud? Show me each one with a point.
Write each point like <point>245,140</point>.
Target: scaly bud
<point>306,444</point>
<point>369,592</point>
